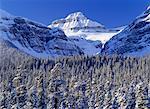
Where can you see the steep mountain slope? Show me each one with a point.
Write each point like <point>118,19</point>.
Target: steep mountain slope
<point>76,24</point>
<point>133,40</point>
<point>35,39</point>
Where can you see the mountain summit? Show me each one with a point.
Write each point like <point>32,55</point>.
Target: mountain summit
<point>75,22</point>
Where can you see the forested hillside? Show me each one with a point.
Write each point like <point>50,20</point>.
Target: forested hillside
<point>79,82</point>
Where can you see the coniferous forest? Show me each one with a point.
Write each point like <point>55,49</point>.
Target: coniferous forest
<point>74,54</point>
<point>77,82</point>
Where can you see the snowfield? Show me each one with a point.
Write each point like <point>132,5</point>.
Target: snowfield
<point>94,36</point>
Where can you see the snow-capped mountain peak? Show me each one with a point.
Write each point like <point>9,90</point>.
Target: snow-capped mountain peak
<point>75,21</point>
<point>77,24</point>
<point>82,20</point>
<point>76,15</point>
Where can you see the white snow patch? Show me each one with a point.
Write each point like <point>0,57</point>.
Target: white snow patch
<point>87,46</point>
<point>94,36</point>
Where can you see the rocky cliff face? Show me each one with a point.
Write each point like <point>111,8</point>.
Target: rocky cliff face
<point>34,38</point>
<point>133,40</point>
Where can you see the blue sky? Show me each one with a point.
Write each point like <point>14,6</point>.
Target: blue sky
<point>111,13</point>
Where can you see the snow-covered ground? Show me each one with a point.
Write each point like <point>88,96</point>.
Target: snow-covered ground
<point>94,36</point>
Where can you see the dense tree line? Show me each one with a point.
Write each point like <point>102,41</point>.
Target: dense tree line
<point>77,82</point>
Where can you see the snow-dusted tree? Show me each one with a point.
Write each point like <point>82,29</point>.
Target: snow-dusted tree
<point>91,101</point>
<point>41,91</point>
<point>122,98</point>
<point>101,95</point>
<point>3,100</point>
<point>108,100</point>
<point>115,104</point>
<point>34,97</point>
<point>131,99</point>
<point>20,90</point>
<point>148,94</point>
<point>56,87</point>
<point>82,101</point>
<point>142,99</point>
<point>108,95</point>
<point>71,101</point>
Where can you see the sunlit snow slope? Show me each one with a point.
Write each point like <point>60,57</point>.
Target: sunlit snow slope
<point>76,24</point>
